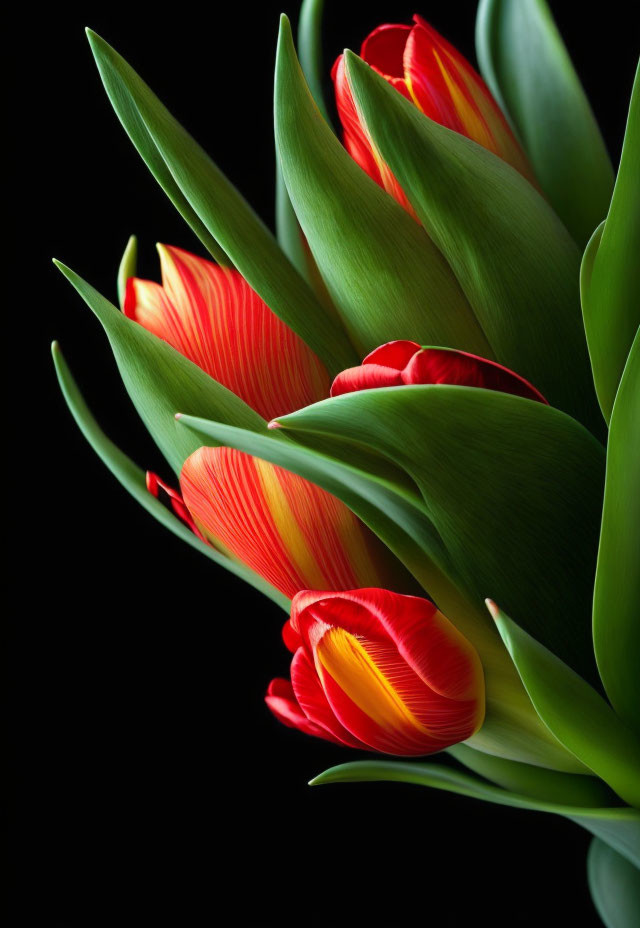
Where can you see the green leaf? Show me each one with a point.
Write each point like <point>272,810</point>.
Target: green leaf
<point>512,487</point>
<point>614,883</point>
<point>160,380</point>
<point>610,274</point>
<point>616,603</point>
<point>574,712</point>
<point>388,502</point>
<point>513,258</point>
<point>127,267</point>
<point>619,827</point>
<point>537,782</point>
<point>209,202</point>
<point>527,67</point>
<point>133,480</point>
<point>310,46</point>
<point>385,276</point>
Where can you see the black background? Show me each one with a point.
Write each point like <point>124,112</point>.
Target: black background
<point>152,781</point>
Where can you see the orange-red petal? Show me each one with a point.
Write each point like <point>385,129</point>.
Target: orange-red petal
<point>446,88</point>
<point>291,532</point>
<point>212,316</point>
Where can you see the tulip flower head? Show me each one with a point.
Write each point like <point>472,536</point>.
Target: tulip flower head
<point>379,671</point>
<point>433,75</point>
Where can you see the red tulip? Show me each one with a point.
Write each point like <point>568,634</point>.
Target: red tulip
<point>372,669</point>
<point>288,530</point>
<point>403,362</point>
<point>433,75</point>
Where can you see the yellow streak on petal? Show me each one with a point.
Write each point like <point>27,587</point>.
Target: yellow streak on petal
<point>474,125</point>
<point>288,529</point>
<point>348,663</point>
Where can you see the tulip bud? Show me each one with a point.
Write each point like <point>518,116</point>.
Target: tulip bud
<point>402,363</point>
<point>432,74</point>
<point>377,670</point>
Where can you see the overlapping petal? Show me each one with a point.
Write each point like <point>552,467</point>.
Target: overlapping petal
<point>432,74</point>
<point>402,363</point>
<point>212,316</point>
<point>393,672</point>
<point>291,532</point>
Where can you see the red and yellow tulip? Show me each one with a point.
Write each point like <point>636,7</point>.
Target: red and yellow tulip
<point>433,75</point>
<point>291,532</point>
<point>375,670</point>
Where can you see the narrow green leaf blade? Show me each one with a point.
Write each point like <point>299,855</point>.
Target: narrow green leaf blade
<point>512,487</point>
<point>161,381</point>
<point>527,67</point>
<point>576,714</point>
<point>133,480</point>
<point>619,827</point>
<point>310,48</point>
<point>614,883</point>
<point>385,276</point>
<point>512,256</point>
<point>537,782</point>
<point>127,268</point>
<point>616,603</point>
<point>228,220</point>
<point>610,274</point>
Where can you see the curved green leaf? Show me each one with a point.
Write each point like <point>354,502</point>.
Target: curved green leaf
<point>574,712</point>
<point>127,268</point>
<point>614,883</point>
<point>512,487</point>
<point>214,205</point>
<point>537,782</point>
<point>619,827</point>
<point>390,505</point>
<point>616,603</point>
<point>133,480</point>
<point>160,380</point>
<point>385,276</point>
<point>310,48</point>
<point>526,64</point>
<point>610,274</point>
<point>513,258</point>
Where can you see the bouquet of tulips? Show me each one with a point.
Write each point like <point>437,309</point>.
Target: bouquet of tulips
<point>422,392</point>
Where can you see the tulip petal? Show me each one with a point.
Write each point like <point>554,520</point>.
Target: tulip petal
<point>445,87</point>
<point>365,377</point>
<point>313,702</point>
<point>282,702</point>
<point>384,48</point>
<point>441,365</point>
<point>357,141</point>
<point>285,528</point>
<point>213,317</point>
<point>394,354</point>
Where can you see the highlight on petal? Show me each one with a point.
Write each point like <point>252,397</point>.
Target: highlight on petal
<point>212,316</point>
<point>435,77</point>
<point>389,670</point>
<point>403,363</point>
<point>291,532</point>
